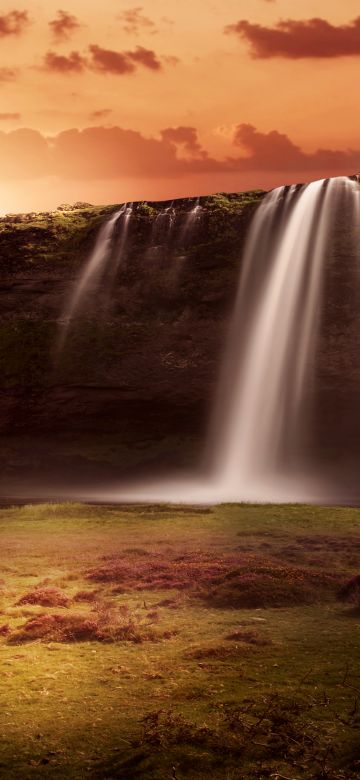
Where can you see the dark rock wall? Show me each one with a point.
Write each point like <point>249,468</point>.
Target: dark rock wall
<point>132,390</point>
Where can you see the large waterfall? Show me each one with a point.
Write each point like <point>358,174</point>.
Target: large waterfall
<point>260,412</point>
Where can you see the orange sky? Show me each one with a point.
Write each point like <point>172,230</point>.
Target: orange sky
<point>200,96</point>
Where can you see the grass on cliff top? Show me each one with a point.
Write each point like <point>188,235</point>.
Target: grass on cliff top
<point>179,642</point>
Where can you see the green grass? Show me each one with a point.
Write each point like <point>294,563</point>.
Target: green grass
<point>158,689</point>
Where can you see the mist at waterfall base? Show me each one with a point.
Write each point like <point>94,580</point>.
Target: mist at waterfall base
<point>258,447</point>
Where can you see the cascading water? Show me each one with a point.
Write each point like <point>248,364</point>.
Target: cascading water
<point>95,269</point>
<point>191,221</point>
<point>125,217</point>
<point>163,226</point>
<point>278,314</point>
<point>271,349</point>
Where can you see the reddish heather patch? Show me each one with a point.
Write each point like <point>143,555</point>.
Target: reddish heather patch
<point>155,573</point>
<point>242,581</point>
<point>100,626</point>
<point>45,597</point>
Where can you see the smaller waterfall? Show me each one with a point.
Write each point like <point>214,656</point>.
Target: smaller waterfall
<point>163,226</point>
<point>120,250</point>
<point>95,268</point>
<point>170,216</point>
<point>192,220</point>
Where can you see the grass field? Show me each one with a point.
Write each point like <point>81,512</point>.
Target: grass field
<point>172,643</point>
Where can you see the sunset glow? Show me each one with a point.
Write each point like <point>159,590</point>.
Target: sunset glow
<point>118,101</point>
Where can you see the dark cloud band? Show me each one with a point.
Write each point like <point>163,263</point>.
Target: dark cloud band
<point>299,39</point>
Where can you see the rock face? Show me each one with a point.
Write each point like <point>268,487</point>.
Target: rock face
<point>132,391</point>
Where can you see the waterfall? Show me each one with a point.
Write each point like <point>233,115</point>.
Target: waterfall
<point>191,221</point>
<point>260,410</point>
<point>95,268</point>
<point>124,218</point>
<point>263,383</point>
<point>163,226</point>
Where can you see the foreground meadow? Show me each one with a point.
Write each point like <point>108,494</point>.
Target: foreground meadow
<point>179,642</point>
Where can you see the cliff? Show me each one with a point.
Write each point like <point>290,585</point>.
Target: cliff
<point>131,392</point>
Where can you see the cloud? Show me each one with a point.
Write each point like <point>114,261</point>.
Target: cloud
<point>8,115</point>
<point>275,151</point>
<point>171,59</point>
<point>8,74</point>
<point>114,153</point>
<point>135,22</point>
<point>13,23</point>
<point>107,61</point>
<point>100,113</point>
<point>186,138</point>
<point>299,39</point>
<point>61,63</point>
<point>64,25</point>
<point>120,63</point>
<point>145,57</point>
<point>99,152</point>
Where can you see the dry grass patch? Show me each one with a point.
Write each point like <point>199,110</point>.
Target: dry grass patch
<point>87,596</point>
<point>251,637</point>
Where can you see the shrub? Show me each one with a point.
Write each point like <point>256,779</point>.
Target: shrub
<point>45,597</point>
<point>240,582</point>
<point>102,625</point>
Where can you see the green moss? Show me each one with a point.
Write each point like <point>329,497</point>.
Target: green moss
<point>146,210</point>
